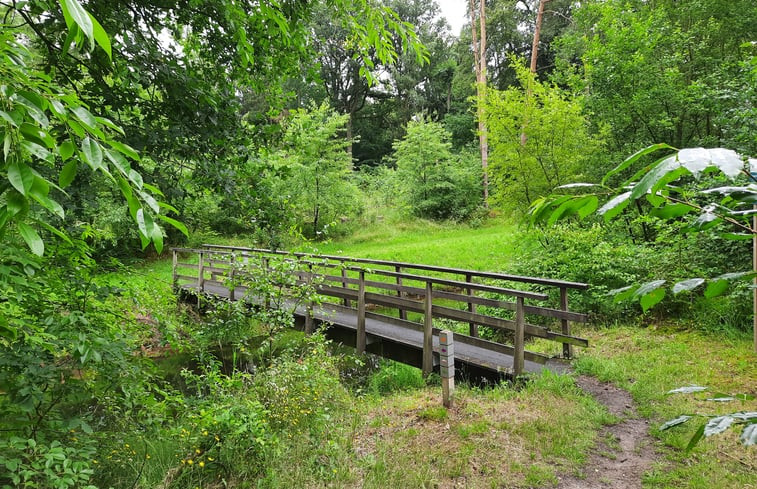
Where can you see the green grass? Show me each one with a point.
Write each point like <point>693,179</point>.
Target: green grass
<point>650,362</point>
<point>491,247</point>
<point>500,437</point>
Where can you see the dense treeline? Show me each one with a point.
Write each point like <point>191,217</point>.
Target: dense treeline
<point>142,122</point>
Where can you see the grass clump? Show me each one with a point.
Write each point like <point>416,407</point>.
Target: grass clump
<point>394,377</point>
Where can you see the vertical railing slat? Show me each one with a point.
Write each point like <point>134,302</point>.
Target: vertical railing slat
<point>360,340</point>
<point>518,343</point>
<point>428,330</point>
<point>471,306</point>
<point>200,277</point>
<point>403,313</point>
<point>175,273</point>
<point>567,349</point>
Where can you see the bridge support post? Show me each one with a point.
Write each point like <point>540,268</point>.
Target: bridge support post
<point>360,339</point>
<point>447,366</point>
<point>520,326</point>
<point>428,331</point>
<point>567,348</point>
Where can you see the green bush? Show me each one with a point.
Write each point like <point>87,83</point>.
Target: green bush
<point>301,390</point>
<point>436,183</point>
<point>607,260</point>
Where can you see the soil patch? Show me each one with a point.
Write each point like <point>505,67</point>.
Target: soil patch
<point>624,451</point>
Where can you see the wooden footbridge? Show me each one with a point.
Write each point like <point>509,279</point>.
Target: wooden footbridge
<point>391,308</point>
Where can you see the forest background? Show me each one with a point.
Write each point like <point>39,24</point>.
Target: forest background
<point>128,125</point>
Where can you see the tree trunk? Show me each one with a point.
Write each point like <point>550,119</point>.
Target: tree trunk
<point>534,57</point>
<point>479,63</point>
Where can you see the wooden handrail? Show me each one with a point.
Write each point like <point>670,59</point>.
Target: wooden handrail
<point>417,266</point>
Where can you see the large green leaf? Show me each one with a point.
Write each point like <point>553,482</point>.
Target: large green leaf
<point>651,299</point>
<point>93,154</point>
<point>125,149</point>
<point>173,222</point>
<point>718,425</point>
<point>695,438</point>
<point>67,174</point>
<point>671,211</point>
<point>654,176</point>
<point>74,13</point>
<point>716,288</point>
<point>615,206</point>
<point>66,150</point>
<point>634,158</point>
<point>749,435</point>
<point>157,238</point>
<point>675,422</point>
<point>15,203</point>
<point>20,176</point>
<point>623,293</point>
<point>100,36</point>
<point>687,285</point>
<point>32,239</point>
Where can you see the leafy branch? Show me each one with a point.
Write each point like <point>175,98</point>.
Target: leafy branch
<point>717,423</point>
<point>724,207</point>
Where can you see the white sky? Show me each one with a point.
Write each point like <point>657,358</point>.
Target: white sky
<point>454,11</point>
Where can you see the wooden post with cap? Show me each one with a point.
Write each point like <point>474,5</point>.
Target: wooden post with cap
<point>447,366</point>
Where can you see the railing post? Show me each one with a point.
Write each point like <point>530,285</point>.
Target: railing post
<point>520,326</point>
<point>428,331</point>
<point>175,278</point>
<point>567,349</point>
<point>346,301</point>
<point>309,326</point>
<point>403,313</point>
<point>471,306</point>
<point>232,267</point>
<point>360,339</point>
<point>200,277</point>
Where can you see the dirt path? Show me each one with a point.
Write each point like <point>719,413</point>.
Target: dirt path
<point>624,451</point>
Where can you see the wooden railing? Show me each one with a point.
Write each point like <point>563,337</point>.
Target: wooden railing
<point>391,285</point>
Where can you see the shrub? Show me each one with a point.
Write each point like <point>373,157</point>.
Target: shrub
<point>437,184</point>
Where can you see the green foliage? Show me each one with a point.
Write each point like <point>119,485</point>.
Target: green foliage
<point>49,135</point>
<point>393,376</point>
<point>718,423</point>
<point>302,392</point>
<point>725,210</point>
<point>315,169</point>
<point>436,183</point>
<point>664,71</point>
<point>539,139</point>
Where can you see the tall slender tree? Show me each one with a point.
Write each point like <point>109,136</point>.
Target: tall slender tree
<point>478,37</point>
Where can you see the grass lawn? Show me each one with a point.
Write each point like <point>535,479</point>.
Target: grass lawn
<point>491,247</point>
